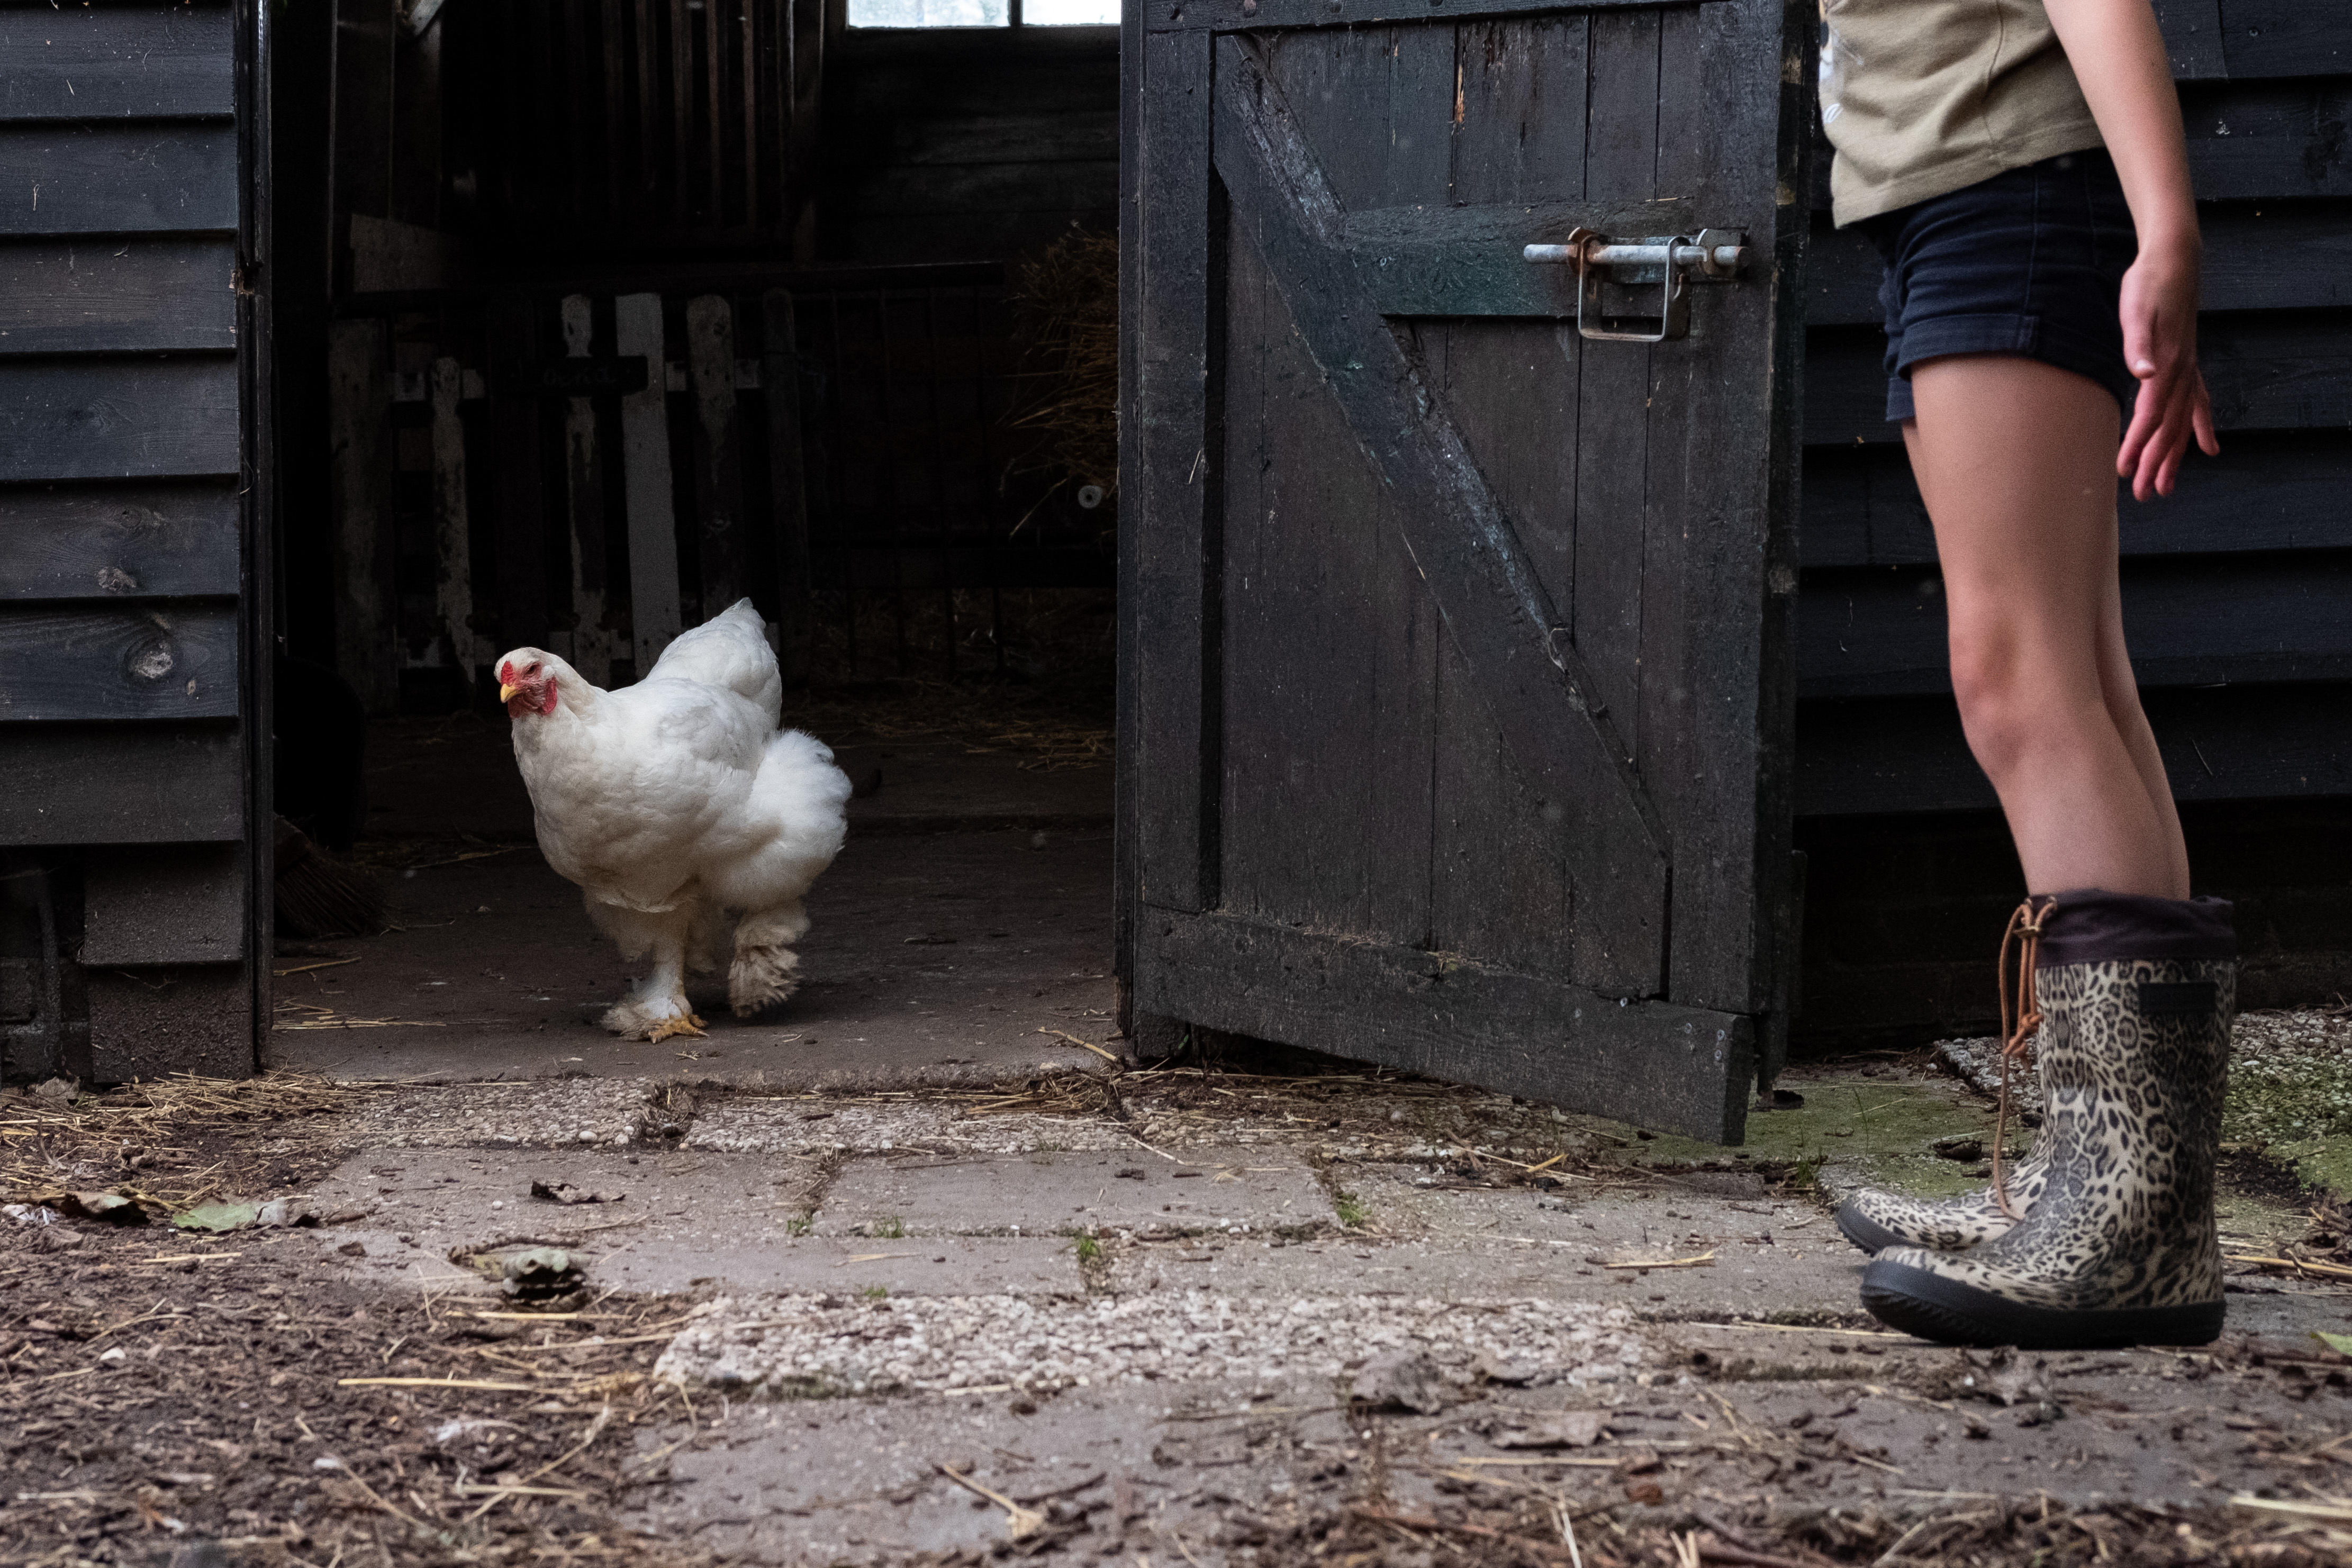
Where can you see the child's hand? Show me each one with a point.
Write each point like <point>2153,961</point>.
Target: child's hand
<point>2159,321</point>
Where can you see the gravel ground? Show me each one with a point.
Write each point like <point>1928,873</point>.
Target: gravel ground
<point>805,1346</point>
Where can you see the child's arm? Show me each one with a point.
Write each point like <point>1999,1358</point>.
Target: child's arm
<point>2119,56</point>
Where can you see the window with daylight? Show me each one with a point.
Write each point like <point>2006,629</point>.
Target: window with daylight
<point>984,13</point>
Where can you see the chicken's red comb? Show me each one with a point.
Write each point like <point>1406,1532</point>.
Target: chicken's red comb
<point>506,673</point>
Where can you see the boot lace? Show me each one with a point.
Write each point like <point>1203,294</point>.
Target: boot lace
<point>2020,1017</point>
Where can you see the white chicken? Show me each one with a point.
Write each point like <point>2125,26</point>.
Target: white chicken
<point>679,807</point>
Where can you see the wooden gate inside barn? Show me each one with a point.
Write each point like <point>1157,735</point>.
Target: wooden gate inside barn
<point>1457,573</point>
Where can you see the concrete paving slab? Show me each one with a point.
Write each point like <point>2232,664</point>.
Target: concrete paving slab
<point>864,1481</point>
<point>537,1113</point>
<point>1209,1189</point>
<point>1744,1278</point>
<point>816,1123</point>
<point>808,1346</point>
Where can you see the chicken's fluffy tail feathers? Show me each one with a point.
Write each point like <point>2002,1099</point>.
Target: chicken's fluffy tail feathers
<point>729,649</point>
<point>799,782</point>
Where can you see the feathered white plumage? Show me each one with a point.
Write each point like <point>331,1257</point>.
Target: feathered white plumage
<point>679,807</point>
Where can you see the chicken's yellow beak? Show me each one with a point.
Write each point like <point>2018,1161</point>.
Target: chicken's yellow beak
<point>507,694</point>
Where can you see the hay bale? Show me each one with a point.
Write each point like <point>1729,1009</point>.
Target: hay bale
<point>1067,297</point>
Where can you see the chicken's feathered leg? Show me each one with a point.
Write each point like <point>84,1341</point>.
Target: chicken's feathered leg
<point>766,970</point>
<point>658,1009</point>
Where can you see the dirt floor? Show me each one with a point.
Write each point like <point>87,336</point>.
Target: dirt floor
<point>921,1274</point>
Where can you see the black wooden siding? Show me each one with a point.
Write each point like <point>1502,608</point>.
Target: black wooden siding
<point>121,518</point>
<point>2238,589</point>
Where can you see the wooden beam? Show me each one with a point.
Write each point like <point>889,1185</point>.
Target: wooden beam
<point>592,641</point>
<point>717,454</point>
<point>359,398</point>
<point>644,468</point>
<point>779,381</point>
<point>510,328</point>
<point>453,533</point>
<point>1676,1068</point>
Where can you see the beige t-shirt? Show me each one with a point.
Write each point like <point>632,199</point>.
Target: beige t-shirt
<point>1923,96</point>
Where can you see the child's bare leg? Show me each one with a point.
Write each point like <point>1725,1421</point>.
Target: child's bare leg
<point>2016,461</point>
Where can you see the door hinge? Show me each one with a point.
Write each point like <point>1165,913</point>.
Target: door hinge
<point>1669,261</point>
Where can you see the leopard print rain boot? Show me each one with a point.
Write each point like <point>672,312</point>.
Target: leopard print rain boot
<point>1874,1220</point>
<point>2120,1247</point>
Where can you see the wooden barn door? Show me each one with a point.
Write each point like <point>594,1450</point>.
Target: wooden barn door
<point>1456,666</point>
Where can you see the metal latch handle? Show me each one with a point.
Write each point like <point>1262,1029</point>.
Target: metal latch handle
<point>1671,261</point>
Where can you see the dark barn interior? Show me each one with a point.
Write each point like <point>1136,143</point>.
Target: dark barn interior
<point>852,256</point>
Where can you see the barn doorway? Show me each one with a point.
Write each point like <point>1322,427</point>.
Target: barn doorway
<point>802,301</point>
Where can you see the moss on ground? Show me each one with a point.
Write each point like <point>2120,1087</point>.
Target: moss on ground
<point>1857,1127</point>
<point>2290,1080</point>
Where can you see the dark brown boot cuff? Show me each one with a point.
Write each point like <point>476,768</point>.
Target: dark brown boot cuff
<point>2088,926</point>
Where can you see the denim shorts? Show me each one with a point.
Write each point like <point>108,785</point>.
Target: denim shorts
<point>2030,262</point>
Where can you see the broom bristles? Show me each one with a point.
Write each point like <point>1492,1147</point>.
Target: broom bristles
<point>320,897</point>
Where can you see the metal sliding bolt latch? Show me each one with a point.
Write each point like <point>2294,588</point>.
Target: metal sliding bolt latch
<point>1671,261</point>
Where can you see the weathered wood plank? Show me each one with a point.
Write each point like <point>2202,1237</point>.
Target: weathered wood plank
<point>1326,644</point>
<point>359,397</point>
<point>725,553</point>
<point>654,613</point>
<point>1880,755</point>
<point>1499,889</point>
<point>779,383</point>
<point>114,62</point>
<point>2273,255</point>
<point>2268,370</point>
<point>118,419</point>
<point>2265,492</point>
<point>1497,612</point>
<point>142,294</point>
<point>184,904</point>
<point>96,662</point>
<point>2191,621</point>
<point>1169,536</point>
<point>1682,1070</point>
<point>591,649</point>
<point>453,532</point>
<point>2259,141</point>
<point>2284,39</point>
<point>510,329</point>
<point>72,178</point>
<point>117,542</point>
<point>835,564</point>
<point>123,784</point>
<point>2192,38</point>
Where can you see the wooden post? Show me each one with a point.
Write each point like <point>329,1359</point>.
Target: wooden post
<point>453,535</point>
<point>359,395</point>
<point>718,452</point>
<point>787,482</point>
<point>521,535</point>
<point>592,643</point>
<point>645,472</point>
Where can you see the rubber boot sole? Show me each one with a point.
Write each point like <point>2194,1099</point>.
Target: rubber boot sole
<point>1867,1233</point>
<point>1933,1307</point>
